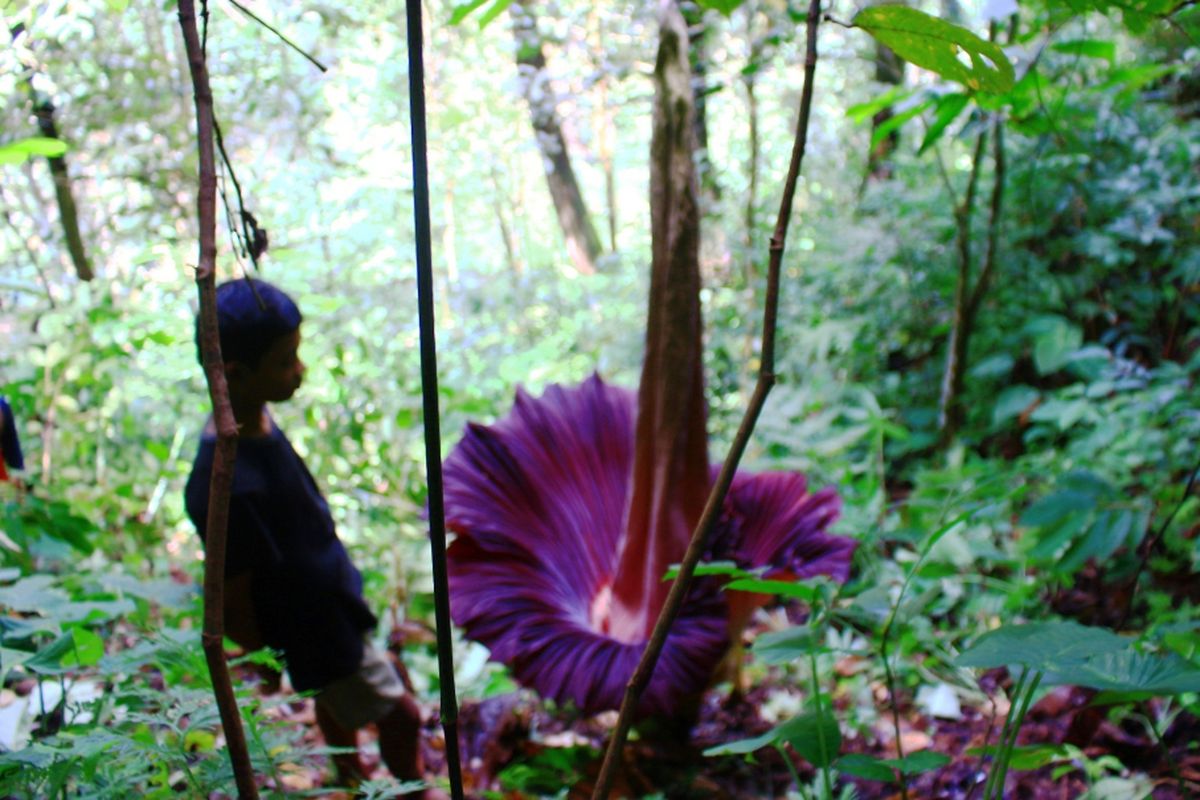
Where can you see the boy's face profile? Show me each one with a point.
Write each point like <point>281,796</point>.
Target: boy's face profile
<point>277,376</point>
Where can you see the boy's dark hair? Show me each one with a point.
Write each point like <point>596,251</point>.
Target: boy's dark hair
<point>251,316</point>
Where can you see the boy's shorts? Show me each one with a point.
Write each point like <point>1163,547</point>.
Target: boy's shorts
<point>364,696</point>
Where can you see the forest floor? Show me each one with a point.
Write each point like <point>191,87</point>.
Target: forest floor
<point>539,753</point>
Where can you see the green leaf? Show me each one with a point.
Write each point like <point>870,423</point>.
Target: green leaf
<point>782,647</point>
<point>781,588</point>
<point>1089,48</point>
<point>1055,339</point>
<point>50,659</point>
<point>862,112</point>
<point>497,8</point>
<point>949,106</point>
<point>709,568</point>
<point>463,10</point>
<point>726,7</point>
<point>894,122</point>
<point>937,45</point>
<point>814,736</point>
<point>22,150</point>
<point>744,746</point>
<point>1054,507</point>
<point>1040,645</point>
<point>1013,401</point>
<point>88,649</point>
<point>1131,671</point>
<point>921,761</point>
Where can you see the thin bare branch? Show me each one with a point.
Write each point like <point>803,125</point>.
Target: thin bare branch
<point>221,484</point>
<point>282,38</point>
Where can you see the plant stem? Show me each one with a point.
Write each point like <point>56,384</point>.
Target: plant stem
<point>1008,718</point>
<point>766,379</point>
<point>816,688</point>
<point>787,759</point>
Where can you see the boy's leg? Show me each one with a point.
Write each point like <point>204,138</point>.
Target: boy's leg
<point>349,766</point>
<point>399,740</point>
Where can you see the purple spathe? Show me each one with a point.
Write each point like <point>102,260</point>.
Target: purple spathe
<point>537,503</point>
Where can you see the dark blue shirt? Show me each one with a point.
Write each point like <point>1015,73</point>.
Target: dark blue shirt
<point>307,595</point>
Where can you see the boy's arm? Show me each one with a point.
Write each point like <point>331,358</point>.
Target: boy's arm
<point>240,624</point>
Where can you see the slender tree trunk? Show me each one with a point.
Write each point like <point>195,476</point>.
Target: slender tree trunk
<point>43,110</point>
<point>670,464</point>
<point>511,252</point>
<point>889,69</point>
<point>221,484</point>
<point>968,298</point>
<point>603,126</point>
<point>750,81</point>
<point>583,245</point>
<point>698,35</point>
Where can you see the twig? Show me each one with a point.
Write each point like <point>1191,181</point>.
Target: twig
<point>221,483</point>
<point>429,393</point>
<point>283,38</point>
<point>716,498</point>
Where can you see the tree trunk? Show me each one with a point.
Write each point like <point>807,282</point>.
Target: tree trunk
<point>43,110</point>
<point>889,70</point>
<point>968,298</point>
<point>670,467</point>
<point>583,244</point>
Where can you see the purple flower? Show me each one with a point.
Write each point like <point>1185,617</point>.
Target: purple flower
<point>538,504</point>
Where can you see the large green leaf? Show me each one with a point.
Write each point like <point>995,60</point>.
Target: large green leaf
<point>1040,645</point>
<point>937,45</point>
<point>1131,671</point>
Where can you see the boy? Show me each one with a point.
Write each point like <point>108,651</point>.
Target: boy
<point>289,583</point>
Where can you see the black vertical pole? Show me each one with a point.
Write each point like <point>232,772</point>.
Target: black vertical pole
<point>429,394</point>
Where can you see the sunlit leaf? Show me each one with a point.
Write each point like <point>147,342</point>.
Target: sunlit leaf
<point>780,588</point>
<point>1090,48</point>
<point>949,106</point>
<point>928,42</point>
<point>24,149</point>
<point>861,112</point>
<point>726,7</point>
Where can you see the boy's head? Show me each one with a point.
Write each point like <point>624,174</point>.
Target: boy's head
<point>260,335</point>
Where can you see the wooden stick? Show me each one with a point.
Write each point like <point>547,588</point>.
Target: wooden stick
<point>221,484</point>
<point>716,498</point>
